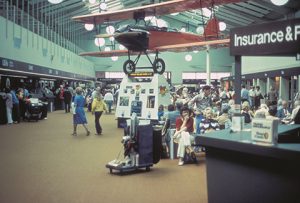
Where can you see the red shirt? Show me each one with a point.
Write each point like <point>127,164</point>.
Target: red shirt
<point>189,124</point>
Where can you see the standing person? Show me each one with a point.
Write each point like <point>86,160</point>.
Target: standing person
<point>202,101</point>
<point>98,106</point>
<point>79,116</point>
<point>258,97</point>
<point>16,108</point>
<point>96,92</point>
<point>9,105</point>
<point>244,94</point>
<point>272,96</point>
<point>67,99</point>
<point>109,100</point>
<point>60,95</point>
<point>160,113</point>
<point>252,97</point>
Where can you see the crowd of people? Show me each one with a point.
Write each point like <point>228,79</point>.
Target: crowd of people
<point>191,113</point>
<point>212,109</point>
<point>15,102</point>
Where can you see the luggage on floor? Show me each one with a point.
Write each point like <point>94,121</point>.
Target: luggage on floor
<point>33,109</point>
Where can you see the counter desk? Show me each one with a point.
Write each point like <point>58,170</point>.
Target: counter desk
<point>239,170</point>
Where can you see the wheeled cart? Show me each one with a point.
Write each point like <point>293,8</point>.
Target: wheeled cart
<point>139,149</point>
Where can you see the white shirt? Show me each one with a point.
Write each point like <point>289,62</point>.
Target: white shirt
<point>108,97</point>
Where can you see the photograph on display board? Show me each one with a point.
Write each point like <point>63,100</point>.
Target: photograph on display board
<point>151,102</point>
<point>136,107</point>
<point>124,101</point>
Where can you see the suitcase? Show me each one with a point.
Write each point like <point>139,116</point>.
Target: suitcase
<point>145,144</point>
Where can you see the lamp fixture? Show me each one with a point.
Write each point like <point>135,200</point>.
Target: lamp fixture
<point>89,27</point>
<point>200,30</point>
<point>92,1</point>
<point>55,1</point>
<point>188,57</point>
<point>279,2</point>
<point>103,6</point>
<point>206,12</point>
<point>110,29</point>
<point>222,26</point>
<point>99,42</point>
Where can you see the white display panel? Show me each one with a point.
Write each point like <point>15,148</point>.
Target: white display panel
<point>142,95</point>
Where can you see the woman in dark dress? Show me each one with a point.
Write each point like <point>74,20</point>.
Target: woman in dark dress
<point>79,116</point>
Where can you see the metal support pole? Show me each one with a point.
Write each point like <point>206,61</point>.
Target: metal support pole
<point>237,79</point>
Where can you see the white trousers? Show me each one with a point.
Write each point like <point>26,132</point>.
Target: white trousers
<point>184,141</point>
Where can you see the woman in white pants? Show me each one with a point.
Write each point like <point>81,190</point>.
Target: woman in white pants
<point>184,126</point>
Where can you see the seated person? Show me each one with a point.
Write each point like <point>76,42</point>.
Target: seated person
<point>184,126</point>
<point>294,118</point>
<point>246,112</point>
<point>283,112</point>
<point>224,120</point>
<point>208,123</point>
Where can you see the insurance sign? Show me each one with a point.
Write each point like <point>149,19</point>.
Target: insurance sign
<point>276,38</point>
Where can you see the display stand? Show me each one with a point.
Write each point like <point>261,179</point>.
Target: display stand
<point>142,94</point>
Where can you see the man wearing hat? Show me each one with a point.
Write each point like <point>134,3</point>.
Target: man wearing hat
<point>199,103</point>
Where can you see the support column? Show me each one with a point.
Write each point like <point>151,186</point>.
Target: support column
<point>283,88</point>
<point>237,79</point>
<point>208,68</point>
<point>263,86</point>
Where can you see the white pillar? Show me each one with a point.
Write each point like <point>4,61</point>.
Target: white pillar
<point>283,88</point>
<point>208,68</point>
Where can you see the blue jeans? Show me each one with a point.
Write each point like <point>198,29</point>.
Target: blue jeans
<point>109,104</point>
<point>198,119</point>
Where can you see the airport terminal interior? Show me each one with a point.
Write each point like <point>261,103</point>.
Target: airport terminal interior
<point>149,101</point>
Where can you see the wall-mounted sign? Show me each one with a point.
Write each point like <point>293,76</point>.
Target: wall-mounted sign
<point>276,38</point>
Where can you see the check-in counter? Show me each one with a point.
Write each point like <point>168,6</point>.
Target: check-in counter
<point>241,171</point>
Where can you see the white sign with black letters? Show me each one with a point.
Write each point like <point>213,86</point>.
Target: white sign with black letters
<point>275,38</point>
<point>264,130</point>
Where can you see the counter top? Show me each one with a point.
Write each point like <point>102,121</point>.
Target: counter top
<point>241,142</point>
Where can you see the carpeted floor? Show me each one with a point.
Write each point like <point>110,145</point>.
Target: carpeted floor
<point>42,162</point>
